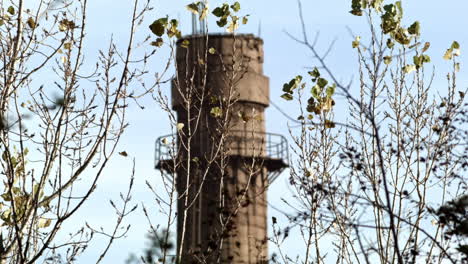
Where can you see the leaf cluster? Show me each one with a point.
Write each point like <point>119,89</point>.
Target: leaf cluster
<point>320,100</point>
<point>226,15</point>
<point>164,26</point>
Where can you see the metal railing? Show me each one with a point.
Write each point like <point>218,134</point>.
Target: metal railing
<point>243,142</point>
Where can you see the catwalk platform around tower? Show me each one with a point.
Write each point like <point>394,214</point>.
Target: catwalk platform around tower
<point>274,155</point>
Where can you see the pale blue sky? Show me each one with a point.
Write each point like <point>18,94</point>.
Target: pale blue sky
<point>441,22</point>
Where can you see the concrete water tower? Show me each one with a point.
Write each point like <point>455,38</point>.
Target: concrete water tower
<point>224,159</point>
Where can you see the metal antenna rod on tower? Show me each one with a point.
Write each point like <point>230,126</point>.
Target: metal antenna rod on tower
<point>201,6</point>
<point>194,24</point>
<point>260,29</point>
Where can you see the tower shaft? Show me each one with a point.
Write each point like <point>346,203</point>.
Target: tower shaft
<point>220,94</point>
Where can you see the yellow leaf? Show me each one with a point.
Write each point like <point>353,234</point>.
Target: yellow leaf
<point>448,54</point>
<point>67,45</point>
<point>409,68</point>
<point>329,124</point>
<point>355,43</point>
<point>63,59</point>
<point>328,104</point>
<point>180,126</point>
<point>233,26</point>
<point>31,23</point>
<point>159,42</point>
<point>44,222</point>
<point>66,24</point>
<point>426,47</point>
<point>185,44</point>
<point>245,118</point>
<point>203,14</point>
<point>387,59</point>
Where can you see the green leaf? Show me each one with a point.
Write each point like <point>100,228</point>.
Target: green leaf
<point>287,96</point>
<point>400,8</point>
<point>222,22</point>
<point>31,23</point>
<point>426,58</point>
<point>463,249</point>
<point>193,7</point>
<point>173,30</point>
<point>329,123</point>
<point>245,19</point>
<point>158,26</point>
<point>387,60</point>
<point>322,82</point>
<point>236,7</point>
<point>356,7</point>
<point>11,10</point>
<point>6,197</point>
<point>216,111</point>
<point>415,29</point>
<point>312,108</point>
<point>66,24</point>
<point>390,43</point>
<point>330,90</point>
<point>316,91</point>
<point>67,45</point>
<point>356,12</point>
<point>314,73</point>
<point>418,61</point>
<point>455,45</point>
<point>401,37</point>
<point>218,12</point>
<point>391,18</point>
<point>377,5</point>
<point>185,43</point>
<point>222,11</point>
<point>6,216</point>
<point>293,84</point>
